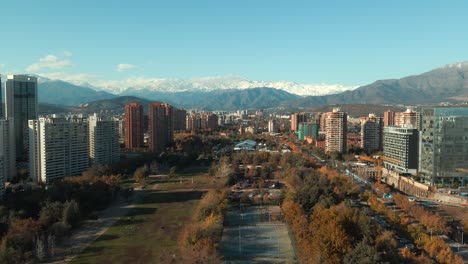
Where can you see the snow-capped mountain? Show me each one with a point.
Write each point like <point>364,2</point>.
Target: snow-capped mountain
<point>204,84</point>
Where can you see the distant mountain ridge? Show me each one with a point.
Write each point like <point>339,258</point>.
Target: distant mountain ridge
<point>64,93</point>
<point>255,98</point>
<point>444,84</point>
<point>209,84</point>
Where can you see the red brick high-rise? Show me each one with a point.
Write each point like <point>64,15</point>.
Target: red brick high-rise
<point>161,128</point>
<point>296,119</point>
<point>389,118</point>
<point>133,126</point>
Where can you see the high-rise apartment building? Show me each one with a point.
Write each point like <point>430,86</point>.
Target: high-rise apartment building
<point>196,121</point>
<point>21,105</point>
<point>7,151</point>
<point>59,147</point>
<point>409,118</point>
<point>336,129</point>
<point>193,121</point>
<point>444,146</point>
<point>389,118</point>
<point>272,126</point>
<point>104,145</point>
<point>323,123</point>
<point>371,133</point>
<point>1,98</point>
<point>133,126</point>
<point>179,119</point>
<point>296,119</point>
<point>401,144</point>
<point>160,126</point>
<point>122,122</point>
<point>308,129</point>
<point>209,121</point>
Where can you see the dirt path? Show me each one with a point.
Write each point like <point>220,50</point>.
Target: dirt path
<point>92,229</point>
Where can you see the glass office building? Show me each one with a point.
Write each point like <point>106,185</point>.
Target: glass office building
<point>444,147</point>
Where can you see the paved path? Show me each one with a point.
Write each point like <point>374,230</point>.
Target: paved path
<point>90,230</point>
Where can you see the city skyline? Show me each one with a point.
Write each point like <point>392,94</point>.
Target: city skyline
<point>309,43</point>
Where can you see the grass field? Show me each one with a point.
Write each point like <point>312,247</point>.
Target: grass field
<point>149,233</point>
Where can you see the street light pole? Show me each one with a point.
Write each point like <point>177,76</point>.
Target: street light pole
<point>240,246</point>
<point>462,237</point>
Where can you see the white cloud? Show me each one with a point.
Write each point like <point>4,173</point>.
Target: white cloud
<point>125,66</point>
<point>67,53</point>
<point>49,62</point>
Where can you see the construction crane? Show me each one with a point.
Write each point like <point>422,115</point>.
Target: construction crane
<point>378,161</point>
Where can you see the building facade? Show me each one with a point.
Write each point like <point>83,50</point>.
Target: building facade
<point>59,147</point>
<point>1,98</point>
<point>206,120</point>
<point>21,105</point>
<point>409,118</point>
<point>180,119</point>
<point>389,118</point>
<point>134,126</point>
<point>272,126</point>
<point>161,132</point>
<point>444,146</point>
<point>209,121</point>
<point>371,133</point>
<point>308,129</point>
<point>402,145</point>
<point>7,151</point>
<point>336,131</point>
<point>296,119</point>
<point>104,147</point>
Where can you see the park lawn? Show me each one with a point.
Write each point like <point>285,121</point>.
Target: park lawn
<point>201,181</point>
<point>149,233</point>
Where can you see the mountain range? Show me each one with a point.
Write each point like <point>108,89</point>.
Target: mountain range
<point>444,84</point>
<point>208,84</point>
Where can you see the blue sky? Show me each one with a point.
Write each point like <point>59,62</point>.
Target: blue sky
<point>343,42</point>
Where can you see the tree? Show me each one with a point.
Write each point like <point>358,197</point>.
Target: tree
<point>18,244</point>
<point>71,213</point>
<point>224,170</point>
<point>51,213</point>
<point>141,173</point>
<point>362,253</point>
<point>173,170</point>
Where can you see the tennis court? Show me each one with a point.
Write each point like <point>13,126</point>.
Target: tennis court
<point>256,234</point>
